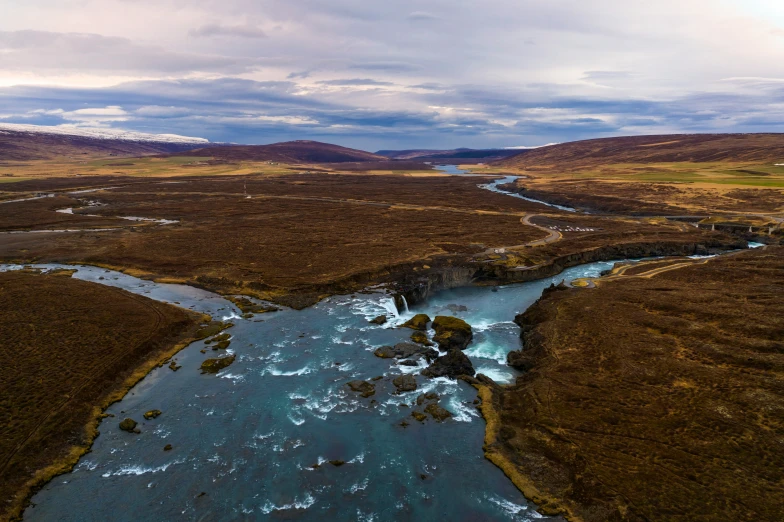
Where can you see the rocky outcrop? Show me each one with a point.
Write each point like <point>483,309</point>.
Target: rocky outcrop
<point>404,351</point>
<point>437,412</point>
<point>452,333</point>
<point>418,322</point>
<point>421,338</point>
<point>453,364</point>
<point>381,319</point>
<point>405,383</point>
<point>216,365</point>
<point>364,388</point>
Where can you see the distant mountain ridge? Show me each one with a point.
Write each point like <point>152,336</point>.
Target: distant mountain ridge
<point>454,155</point>
<point>300,151</point>
<point>667,148</point>
<point>33,142</point>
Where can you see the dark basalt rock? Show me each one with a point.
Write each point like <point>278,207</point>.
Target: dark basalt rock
<point>364,388</point>
<point>404,351</point>
<point>452,333</point>
<point>405,383</point>
<point>152,414</point>
<point>420,338</point>
<point>216,365</point>
<point>409,362</point>
<point>381,319</point>
<point>129,425</point>
<point>222,345</point>
<point>337,463</point>
<point>173,366</point>
<point>418,322</point>
<point>167,447</point>
<point>418,415</point>
<point>456,308</point>
<point>453,364</point>
<point>437,412</point>
<point>218,338</point>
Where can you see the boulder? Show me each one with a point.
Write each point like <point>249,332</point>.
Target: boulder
<point>364,388</point>
<point>152,414</point>
<point>431,396</point>
<point>418,415</point>
<point>381,319</point>
<point>454,308</point>
<point>221,345</point>
<point>405,383</point>
<point>437,412</point>
<point>409,362</point>
<point>167,447</point>
<point>129,425</point>
<point>216,365</point>
<point>420,338</point>
<point>418,322</point>
<point>453,364</point>
<point>451,333</point>
<point>404,351</point>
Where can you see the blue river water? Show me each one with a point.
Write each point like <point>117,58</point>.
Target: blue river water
<point>495,186</point>
<point>245,440</point>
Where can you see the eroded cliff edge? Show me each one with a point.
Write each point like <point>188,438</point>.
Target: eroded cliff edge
<point>651,398</point>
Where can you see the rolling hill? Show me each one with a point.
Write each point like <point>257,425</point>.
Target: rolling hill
<point>450,156</point>
<point>674,148</point>
<point>31,142</point>
<point>301,151</point>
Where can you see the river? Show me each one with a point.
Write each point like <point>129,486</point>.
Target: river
<point>495,186</point>
<point>244,440</point>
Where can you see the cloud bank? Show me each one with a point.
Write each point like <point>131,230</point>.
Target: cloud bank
<point>424,73</point>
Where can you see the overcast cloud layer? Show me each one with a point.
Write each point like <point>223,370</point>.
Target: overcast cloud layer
<point>403,74</point>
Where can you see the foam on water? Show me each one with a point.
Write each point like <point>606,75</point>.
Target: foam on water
<point>303,504</point>
<point>140,470</point>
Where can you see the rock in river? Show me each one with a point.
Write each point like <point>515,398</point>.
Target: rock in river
<point>453,364</point>
<point>437,412</point>
<point>418,322</point>
<point>364,388</point>
<point>420,338</point>
<point>451,333</point>
<point>405,383</point>
<point>404,351</point>
<point>381,319</point>
<point>129,425</point>
<point>216,365</point>
<point>152,414</point>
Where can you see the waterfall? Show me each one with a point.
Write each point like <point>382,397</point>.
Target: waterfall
<point>405,304</point>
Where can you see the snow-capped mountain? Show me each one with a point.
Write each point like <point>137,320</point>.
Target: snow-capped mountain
<point>101,133</point>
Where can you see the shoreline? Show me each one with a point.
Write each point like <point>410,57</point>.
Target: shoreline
<point>22,499</point>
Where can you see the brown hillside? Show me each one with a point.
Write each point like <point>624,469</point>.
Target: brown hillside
<point>301,151</point>
<point>69,349</point>
<point>655,396</point>
<point>756,148</point>
<point>28,146</point>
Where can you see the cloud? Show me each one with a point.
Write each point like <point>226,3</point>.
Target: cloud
<point>354,82</point>
<point>386,66</point>
<point>239,31</point>
<point>87,52</point>
<point>422,15</point>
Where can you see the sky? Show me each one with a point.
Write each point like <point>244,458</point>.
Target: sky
<point>378,74</point>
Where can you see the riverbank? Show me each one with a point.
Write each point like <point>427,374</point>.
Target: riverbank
<point>667,408</point>
<point>72,348</point>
